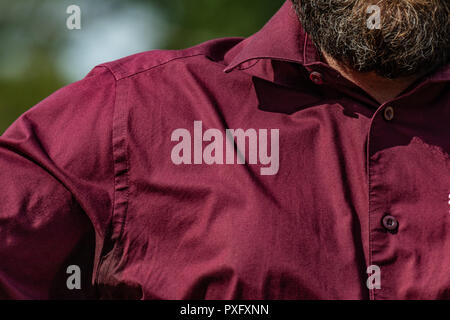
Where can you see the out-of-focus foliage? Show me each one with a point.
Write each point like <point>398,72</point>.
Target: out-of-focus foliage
<point>34,38</point>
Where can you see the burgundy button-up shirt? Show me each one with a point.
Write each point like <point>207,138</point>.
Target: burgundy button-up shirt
<point>139,175</point>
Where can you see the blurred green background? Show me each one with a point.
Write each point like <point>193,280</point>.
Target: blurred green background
<point>39,54</point>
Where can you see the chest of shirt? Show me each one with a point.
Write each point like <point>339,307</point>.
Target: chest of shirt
<point>204,221</point>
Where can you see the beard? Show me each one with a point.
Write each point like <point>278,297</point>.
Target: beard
<point>413,38</point>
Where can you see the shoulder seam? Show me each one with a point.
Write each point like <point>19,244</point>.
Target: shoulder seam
<point>123,74</point>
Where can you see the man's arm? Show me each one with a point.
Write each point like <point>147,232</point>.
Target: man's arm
<point>57,190</point>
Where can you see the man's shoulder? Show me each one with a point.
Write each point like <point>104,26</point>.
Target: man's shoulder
<point>213,51</point>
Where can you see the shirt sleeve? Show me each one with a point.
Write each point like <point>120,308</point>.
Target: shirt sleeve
<point>57,190</point>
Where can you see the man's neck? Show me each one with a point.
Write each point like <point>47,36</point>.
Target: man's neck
<point>381,89</point>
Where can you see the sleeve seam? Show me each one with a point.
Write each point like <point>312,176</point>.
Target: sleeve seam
<point>119,148</point>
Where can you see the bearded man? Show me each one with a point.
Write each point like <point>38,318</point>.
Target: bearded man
<point>104,179</point>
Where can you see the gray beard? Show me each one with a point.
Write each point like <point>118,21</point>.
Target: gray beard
<point>413,38</point>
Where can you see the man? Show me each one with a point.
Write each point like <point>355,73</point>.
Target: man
<point>282,166</point>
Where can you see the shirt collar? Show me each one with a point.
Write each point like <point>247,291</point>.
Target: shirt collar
<point>282,38</point>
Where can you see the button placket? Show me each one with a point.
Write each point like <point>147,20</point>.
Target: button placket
<point>383,225</point>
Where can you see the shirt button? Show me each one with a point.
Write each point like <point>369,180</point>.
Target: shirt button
<point>389,113</point>
<point>390,223</point>
<point>316,77</point>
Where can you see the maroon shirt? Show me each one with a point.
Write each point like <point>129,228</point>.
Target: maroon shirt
<point>357,183</point>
